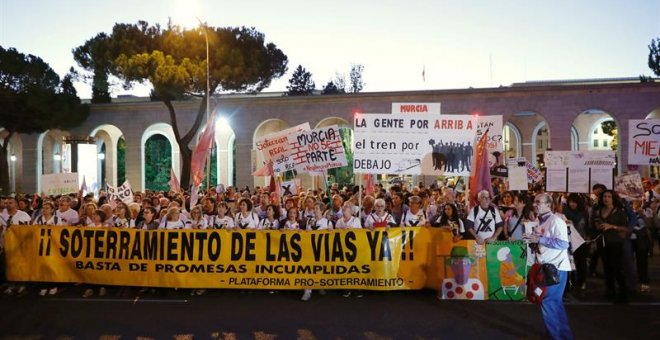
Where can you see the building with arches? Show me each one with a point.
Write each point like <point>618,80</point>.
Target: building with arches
<point>536,117</point>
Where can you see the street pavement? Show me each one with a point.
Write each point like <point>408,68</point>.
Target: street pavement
<point>234,314</point>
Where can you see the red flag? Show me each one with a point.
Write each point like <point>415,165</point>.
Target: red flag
<point>480,174</point>
<point>266,170</point>
<point>201,152</point>
<point>174,182</point>
<point>370,186</point>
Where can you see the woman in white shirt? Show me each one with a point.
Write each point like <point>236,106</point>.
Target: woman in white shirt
<point>292,220</point>
<point>196,221</point>
<point>272,220</point>
<point>48,216</point>
<point>348,221</point>
<point>123,216</point>
<point>224,218</point>
<point>172,220</point>
<point>380,218</point>
<point>246,218</point>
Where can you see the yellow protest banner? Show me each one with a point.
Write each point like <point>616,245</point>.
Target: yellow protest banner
<point>391,259</point>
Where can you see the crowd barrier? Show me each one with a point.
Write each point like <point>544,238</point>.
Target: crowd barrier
<point>394,259</point>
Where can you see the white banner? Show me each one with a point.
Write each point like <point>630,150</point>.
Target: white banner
<point>644,142</point>
<point>578,180</point>
<point>517,178</point>
<point>275,148</point>
<point>417,144</point>
<point>433,108</point>
<point>603,159</point>
<point>555,180</point>
<point>123,193</point>
<point>290,187</point>
<point>601,176</point>
<point>60,184</point>
<point>317,150</point>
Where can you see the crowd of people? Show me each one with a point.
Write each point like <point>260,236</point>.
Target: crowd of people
<point>619,232</point>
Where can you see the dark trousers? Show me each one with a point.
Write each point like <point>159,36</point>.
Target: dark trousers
<point>579,275</point>
<point>641,247</point>
<point>614,259</point>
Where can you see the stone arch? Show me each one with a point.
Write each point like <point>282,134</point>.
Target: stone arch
<point>530,124</point>
<point>575,138</point>
<point>328,121</point>
<point>109,136</point>
<point>14,160</point>
<point>584,125</point>
<point>264,129</point>
<point>512,139</point>
<point>49,145</point>
<point>165,130</point>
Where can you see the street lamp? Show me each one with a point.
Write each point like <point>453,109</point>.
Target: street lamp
<point>208,101</point>
<point>101,156</point>
<point>57,157</point>
<point>12,158</point>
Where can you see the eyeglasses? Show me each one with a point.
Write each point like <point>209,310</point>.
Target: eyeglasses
<point>539,202</point>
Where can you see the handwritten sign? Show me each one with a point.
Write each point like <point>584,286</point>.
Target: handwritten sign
<point>644,142</point>
<point>59,184</point>
<point>318,150</point>
<point>276,148</point>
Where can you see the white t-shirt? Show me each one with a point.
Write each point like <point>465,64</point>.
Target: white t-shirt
<point>375,221</point>
<point>68,217</point>
<point>266,224</point>
<point>171,225</point>
<point>320,224</point>
<point>224,222</point>
<point>53,220</point>
<point>413,220</point>
<point>19,218</point>
<point>553,227</point>
<point>485,223</point>
<point>251,221</point>
<point>199,224</point>
<point>352,223</point>
<point>292,225</point>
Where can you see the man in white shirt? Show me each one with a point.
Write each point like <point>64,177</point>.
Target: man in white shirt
<point>14,216</point>
<point>484,221</point>
<point>65,213</point>
<point>552,238</point>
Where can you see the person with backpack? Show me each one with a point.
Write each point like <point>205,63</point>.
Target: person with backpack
<point>484,222</point>
<point>551,240</point>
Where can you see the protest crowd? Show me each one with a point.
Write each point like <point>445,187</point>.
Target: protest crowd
<point>620,233</point>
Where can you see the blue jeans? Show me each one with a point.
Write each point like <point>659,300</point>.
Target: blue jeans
<point>554,314</point>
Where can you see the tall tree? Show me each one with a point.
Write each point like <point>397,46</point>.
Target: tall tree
<point>32,100</point>
<point>336,86</point>
<point>173,61</point>
<point>654,56</point>
<point>357,83</point>
<point>300,83</point>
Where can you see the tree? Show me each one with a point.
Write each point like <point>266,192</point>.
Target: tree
<point>357,84</point>
<point>336,86</point>
<point>97,54</point>
<point>173,61</point>
<point>609,128</point>
<point>301,83</point>
<point>654,56</point>
<point>33,100</point>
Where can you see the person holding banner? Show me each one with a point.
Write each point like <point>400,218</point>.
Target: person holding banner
<point>484,222</point>
<point>149,221</point>
<point>451,221</point>
<point>123,216</point>
<point>271,221</point>
<point>292,222</point>
<point>65,213</point>
<point>348,221</point>
<point>172,220</point>
<point>380,218</point>
<point>48,218</point>
<point>224,219</point>
<point>196,221</point>
<point>246,218</point>
<point>415,216</point>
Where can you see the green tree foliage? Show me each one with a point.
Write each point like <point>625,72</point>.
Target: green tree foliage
<point>301,83</point>
<point>609,128</point>
<point>157,163</point>
<point>173,61</point>
<point>336,86</point>
<point>121,161</point>
<point>357,83</point>
<point>654,56</point>
<point>33,100</point>
<point>343,176</point>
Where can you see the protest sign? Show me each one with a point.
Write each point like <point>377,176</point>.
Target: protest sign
<point>290,187</point>
<point>495,141</point>
<point>582,166</point>
<point>517,178</point>
<point>644,142</point>
<point>507,270</point>
<point>123,193</point>
<point>433,108</point>
<point>629,186</point>
<point>317,150</point>
<point>59,184</point>
<point>275,148</point>
<point>413,144</point>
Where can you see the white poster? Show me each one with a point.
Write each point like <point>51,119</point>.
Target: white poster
<point>290,188</point>
<point>495,142</point>
<point>60,184</point>
<point>123,193</point>
<point>578,180</point>
<point>644,142</point>
<point>413,144</point>
<point>318,150</point>
<point>580,159</point>
<point>534,174</point>
<point>555,180</point>
<point>433,108</point>
<point>517,178</point>
<point>275,148</point>
<point>602,176</point>
<point>88,166</point>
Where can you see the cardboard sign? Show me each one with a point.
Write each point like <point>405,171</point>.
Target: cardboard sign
<point>59,184</point>
<point>276,148</point>
<point>123,193</point>
<point>644,142</point>
<point>318,150</point>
